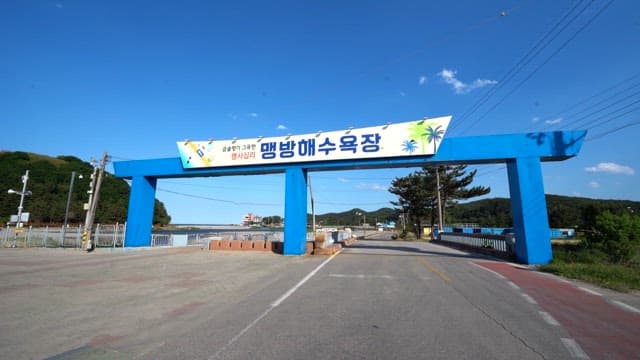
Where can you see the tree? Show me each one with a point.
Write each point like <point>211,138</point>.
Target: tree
<point>454,184</point>
<point>274,220</point>
<point>417,192</point>
<point>616,235</point>
<point>49,180</point>
<point>416,197</point>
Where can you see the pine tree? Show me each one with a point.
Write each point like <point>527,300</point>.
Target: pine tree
<point>417,194</point>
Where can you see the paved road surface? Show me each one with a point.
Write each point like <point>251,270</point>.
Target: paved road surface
<point>378,299</point>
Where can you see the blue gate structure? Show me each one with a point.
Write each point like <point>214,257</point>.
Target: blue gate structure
<point>522,153</point>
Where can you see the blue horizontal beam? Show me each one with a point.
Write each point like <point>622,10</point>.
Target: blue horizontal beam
<point>548,146</point>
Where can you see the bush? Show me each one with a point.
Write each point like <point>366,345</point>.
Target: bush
<point>617,236</point>
<point>408,236</point>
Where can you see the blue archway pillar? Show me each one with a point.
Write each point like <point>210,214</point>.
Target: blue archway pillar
<point>140,215</point>
<point>529,211</point>
<point>295,211</point>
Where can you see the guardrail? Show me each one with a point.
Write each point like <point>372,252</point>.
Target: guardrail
<point>499,243</point>
<point>104,235</point>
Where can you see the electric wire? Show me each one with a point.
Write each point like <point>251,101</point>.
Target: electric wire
<point>238,203</point>
<point>525,60</point>
<point>540,66</point>
<point>611,131</point>
<point>548,119</point>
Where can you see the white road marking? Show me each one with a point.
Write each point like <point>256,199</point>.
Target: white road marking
<point>625,306</point>
<point>575,349</point>
<point>529,298</point>
<point>548,318</point>
<point>361,276</point>
<point>301,282</point>
<point>273,306</point>
<point>513,285</point>
<point>489,270</point>
<point>592,292</point>
<point>554,277</point>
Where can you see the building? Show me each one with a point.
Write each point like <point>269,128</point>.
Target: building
<point>251,219</point>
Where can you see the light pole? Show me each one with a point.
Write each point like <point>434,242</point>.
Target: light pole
<point>25,179</point>
<point>66,211</point>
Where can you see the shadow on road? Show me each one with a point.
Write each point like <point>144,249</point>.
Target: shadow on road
<point>383,244</point>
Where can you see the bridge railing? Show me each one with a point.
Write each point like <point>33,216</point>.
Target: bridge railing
<point>498,243</point>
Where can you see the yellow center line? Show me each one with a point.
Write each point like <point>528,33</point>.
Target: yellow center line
<point>442,275</point>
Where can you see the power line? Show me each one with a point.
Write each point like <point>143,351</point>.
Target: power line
<point>608,132</point>
<point>564,45</point>
<point>614,117</point>
<point>598,94</point>
<point>443,40</point>
<point>525,60</point>
<point>352,203</point>
<point>238,203</point>
<point>585,117</point>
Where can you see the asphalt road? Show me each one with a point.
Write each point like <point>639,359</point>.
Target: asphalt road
<point>378,299</point>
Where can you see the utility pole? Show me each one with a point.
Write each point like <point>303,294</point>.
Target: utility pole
<point>440,224</point>
<point>313,210</point>
<point>93,204</point>
<point>25,179</point>
<point>66,211</point>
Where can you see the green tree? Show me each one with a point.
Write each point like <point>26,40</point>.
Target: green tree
<point>616,235</point>
<point>49,180</point>
<point>417,192</point>
<point>454,185</point>
<point>274,220</point>
<point>416,198</point>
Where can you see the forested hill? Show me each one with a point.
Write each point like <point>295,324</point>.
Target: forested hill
<point>49,180</point>
<point>564,211</point>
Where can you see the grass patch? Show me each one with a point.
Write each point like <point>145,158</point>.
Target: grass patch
<point>591,266</point>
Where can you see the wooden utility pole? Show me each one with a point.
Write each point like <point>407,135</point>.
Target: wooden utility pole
<point>93,205</point>
<point>440,222</point>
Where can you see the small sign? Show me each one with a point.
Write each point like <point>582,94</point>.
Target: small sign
<point>24,218</point>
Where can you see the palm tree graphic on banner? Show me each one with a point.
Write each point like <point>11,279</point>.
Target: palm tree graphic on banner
<point>422,133</point>
<point>434,135</point>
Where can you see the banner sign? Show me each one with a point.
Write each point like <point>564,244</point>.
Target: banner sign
<point>413,138</point>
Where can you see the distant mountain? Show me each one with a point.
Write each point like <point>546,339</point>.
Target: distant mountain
<point>355,217</point>
<point>563,211</point>
<point>49,180</point>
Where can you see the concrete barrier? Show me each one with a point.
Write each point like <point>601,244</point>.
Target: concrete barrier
<point>236,245</point>
<point>258,245</point>
<point>246,245</point>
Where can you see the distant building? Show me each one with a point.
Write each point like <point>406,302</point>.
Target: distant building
<point>251,219</point>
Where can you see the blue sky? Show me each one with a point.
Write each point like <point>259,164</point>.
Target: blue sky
<point>133,77</point>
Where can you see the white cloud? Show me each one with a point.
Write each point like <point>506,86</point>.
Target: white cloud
<point>459,87</point>
<point>535,119</point>
<point>372,186</point>
<point>554,121</point>
<point>343,180</point>
<point>281,127</point>
<point>253,115</point>
<point>594,184</point>
<point>612,168</point>
<point>422,80</point>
